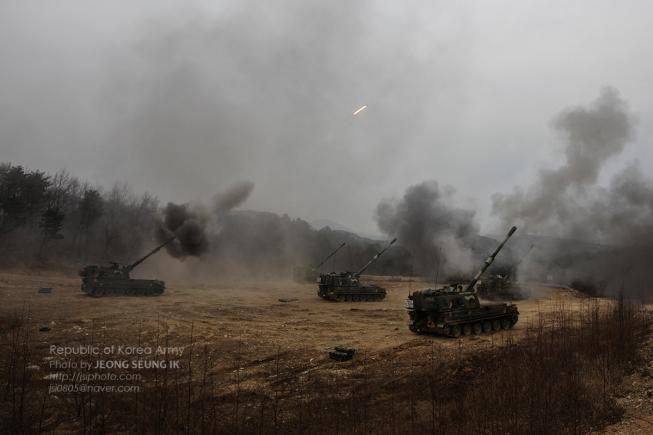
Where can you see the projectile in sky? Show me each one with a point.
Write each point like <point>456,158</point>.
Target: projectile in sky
<point>360,109</point>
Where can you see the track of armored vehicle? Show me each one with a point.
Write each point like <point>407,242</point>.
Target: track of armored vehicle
<point>114,279</point>
<point>346,286</point>
<point>456,310</point>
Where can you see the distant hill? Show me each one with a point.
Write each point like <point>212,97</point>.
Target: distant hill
<point>521,243</point>
<point>318,224</point>
<point>553,249</point>
<point>264,242</point>
<point>565,261</point>
<point>268,243</point>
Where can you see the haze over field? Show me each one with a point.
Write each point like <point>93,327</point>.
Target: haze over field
<point>182,100</point>
<point>246,216</point>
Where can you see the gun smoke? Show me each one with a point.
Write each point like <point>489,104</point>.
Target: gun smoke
<point>593,135</point>
<point>191,224</point>
<point>233,197</point>
<point>438,234</point>
<point>569,202</point>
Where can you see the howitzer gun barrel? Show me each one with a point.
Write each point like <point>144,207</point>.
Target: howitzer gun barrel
<point>489,260</point>
<point>376,257</point>
<point>329,256</point>
<point>149,254</point>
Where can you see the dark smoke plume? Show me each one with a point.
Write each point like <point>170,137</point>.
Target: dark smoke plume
<point>181,221</point>
<point>593,135</point>
<point>568,202</point>
<point>431,228</point>
<point>192,224</point>
<point>233,197</point>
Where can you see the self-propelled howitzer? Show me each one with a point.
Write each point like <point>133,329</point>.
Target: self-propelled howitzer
<point>456,310</point>
<point>114,279</point>
<point>345,286</point>
<point>502,286</point>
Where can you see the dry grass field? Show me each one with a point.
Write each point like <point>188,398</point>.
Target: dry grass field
<point>252,358</point>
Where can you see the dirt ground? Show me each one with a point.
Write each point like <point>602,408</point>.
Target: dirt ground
<point>247,325</point>
<point>244,315</point>
<point>245,321</point>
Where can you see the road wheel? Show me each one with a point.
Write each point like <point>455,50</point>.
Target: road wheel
<point>505,324</point>
<point>455,331</point>
<point>467,329</point>
<point>477,328</point>
<point>487,326</point>
<point>496,324</point>
<point>348,298</point>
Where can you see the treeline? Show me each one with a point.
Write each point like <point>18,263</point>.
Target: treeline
<point>47,218</point>
<point>59,221</point>
<point>266,244</point>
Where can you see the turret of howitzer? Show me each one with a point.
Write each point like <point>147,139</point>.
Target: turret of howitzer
<point>502,286</point>
<point>376,257</point>
<point>488,261</point>
<point>328,256</point>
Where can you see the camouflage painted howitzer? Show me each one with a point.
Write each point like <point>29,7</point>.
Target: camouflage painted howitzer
<point>503,287</point>
<point>114,280</point>
<point>456,310</point>
<point>346,286</point>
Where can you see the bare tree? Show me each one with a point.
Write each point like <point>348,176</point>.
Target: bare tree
<point>90,210</point>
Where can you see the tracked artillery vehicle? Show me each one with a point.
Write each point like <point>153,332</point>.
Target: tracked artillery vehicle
<point>114,279</point>
<point>311,274</point>
<point>503,287</point>
<point>346,286</point>
<point>455,310</point>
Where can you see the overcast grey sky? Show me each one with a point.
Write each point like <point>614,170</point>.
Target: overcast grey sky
<point>182,99</point>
